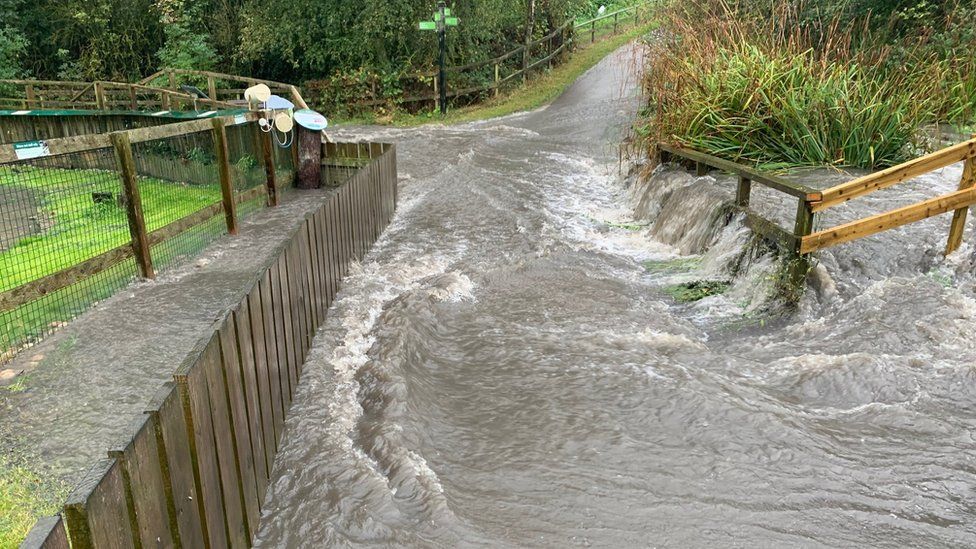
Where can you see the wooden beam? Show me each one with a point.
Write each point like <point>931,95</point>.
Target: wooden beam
<point>888,220</point>
<point>743,191</point>
<point>133,204</point>
<point>63,145</point>
<point>793,189</point>
<point>958,227</point>
<point>897,174</point>
<point>226,182</point>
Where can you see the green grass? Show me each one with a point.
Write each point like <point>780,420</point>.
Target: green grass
<point>25,496</point>
<point>538,91</point>
<point>695,291</point>
<point>77,228</point>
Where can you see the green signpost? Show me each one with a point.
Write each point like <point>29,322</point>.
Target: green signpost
<point>442,20</point>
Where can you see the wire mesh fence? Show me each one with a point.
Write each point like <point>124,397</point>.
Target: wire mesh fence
<point>67,233</point>
<point>57,212</point>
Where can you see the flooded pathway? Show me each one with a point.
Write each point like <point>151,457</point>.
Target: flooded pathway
<point>507,368</point>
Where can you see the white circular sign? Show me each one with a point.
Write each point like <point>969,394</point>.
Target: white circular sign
<point>311,120</point>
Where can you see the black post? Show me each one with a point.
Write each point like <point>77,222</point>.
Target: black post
<point>442,43</point>
<point>442,75</point>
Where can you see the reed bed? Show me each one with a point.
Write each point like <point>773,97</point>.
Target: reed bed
<point>778,87</point>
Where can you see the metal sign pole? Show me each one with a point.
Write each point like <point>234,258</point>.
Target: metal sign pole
<point>442,20</point>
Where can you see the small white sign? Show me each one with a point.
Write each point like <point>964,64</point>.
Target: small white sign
<point>25,150</point>
<point>20,112</point>
<point>240,119</point>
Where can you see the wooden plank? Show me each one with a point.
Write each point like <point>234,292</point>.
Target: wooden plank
<point>260,328</point>
<point>897,174</point>
<point>226,181</point>
<point>888,220</point>
<point>47,533</point>
<point>782,185</point>
<point>60,146</point>
<point>743,192</point>
<point>224,441</point>
<point>133,204</point>
<point>169,130</point>
<point>97,513</point>
<point>252,402</point>
<point>191,381</point>
<point>240,423</point>
<point>277,307</point>
<point>308,293</point>
<point>295,272</point>
<point>172,440</point>
<point>958,226</point>
<point>315,275</point>
<point>142,474</point>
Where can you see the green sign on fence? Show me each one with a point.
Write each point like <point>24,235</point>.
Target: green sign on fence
<point>428,25</point>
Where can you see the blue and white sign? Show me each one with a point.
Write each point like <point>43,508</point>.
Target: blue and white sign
<point>311,120</point>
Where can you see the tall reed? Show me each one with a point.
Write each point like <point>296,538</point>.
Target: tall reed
<point>773,88</point>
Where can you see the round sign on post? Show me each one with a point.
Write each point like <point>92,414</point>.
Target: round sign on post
<point>311,120</point>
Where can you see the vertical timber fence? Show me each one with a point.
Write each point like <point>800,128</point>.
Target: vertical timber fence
<point>195,467</point>
<point>82,216</point>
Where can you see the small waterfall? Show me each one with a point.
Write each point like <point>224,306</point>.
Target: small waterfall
<point>697,216</point>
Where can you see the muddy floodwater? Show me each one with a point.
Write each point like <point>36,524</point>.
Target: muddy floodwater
<point>508,368</point>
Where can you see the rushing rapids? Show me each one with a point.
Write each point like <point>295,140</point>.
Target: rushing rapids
<point>507,367</point>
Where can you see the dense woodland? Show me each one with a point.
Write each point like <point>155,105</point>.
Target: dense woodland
<point>289,40</point>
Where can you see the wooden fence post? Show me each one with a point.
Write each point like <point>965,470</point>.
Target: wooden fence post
<point>100,96</point>
<point>31,97</point>
<point>133,204</point>
<point>800,264</point>
<point>615,22</point>
<point>133,101</point>
<point>959,217</point>
<point>742,192</point>
<point>497,85</point>
<point>592,31</point>
<point>437,95</point>
<point>267,153</point>
<point>172,79</point>
<point>212,87</point>
<point>223,166</point>
<point>164,100</point>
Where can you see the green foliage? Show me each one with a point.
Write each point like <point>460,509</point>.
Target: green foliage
<point>25,496</point>
<point>696,291</point>
<point>13,46</point>
<point>770,85</point>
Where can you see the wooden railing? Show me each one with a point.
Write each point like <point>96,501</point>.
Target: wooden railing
<point>160,91</point>
<point>215,88</point>
<point>803,240</point>
<point>958,201</point>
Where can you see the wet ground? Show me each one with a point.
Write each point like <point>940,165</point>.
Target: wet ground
<point>82,386</point>
<point>507,367</point>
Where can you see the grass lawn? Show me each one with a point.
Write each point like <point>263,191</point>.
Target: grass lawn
<point>540,89</point>
<point>24,497</point>
<point>74,227</point>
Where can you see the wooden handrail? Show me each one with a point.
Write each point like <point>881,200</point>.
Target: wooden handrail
<point>894,175</point>
<point>888,220</point>
<point>798,190</point>
<point>609,15</point>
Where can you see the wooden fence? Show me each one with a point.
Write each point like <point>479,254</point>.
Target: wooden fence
<point>195,469</point>
<point>158,92</point>
<point>803,240</point>
<point>510,67</point>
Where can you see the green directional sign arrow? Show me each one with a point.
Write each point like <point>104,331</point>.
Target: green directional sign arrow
<point>442,20</point>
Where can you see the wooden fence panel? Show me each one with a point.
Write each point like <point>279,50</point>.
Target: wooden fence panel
<point>262,333</point>
<point>223,440</point>
<point>290,284</point>
<point>245,342</point>
<point>47,533</point>
<point>142,471</point>
<point>166,413</point>
<point>274,305</point>
<point>191,379</point>
<point>233,380</point>
<point>97,511</point>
